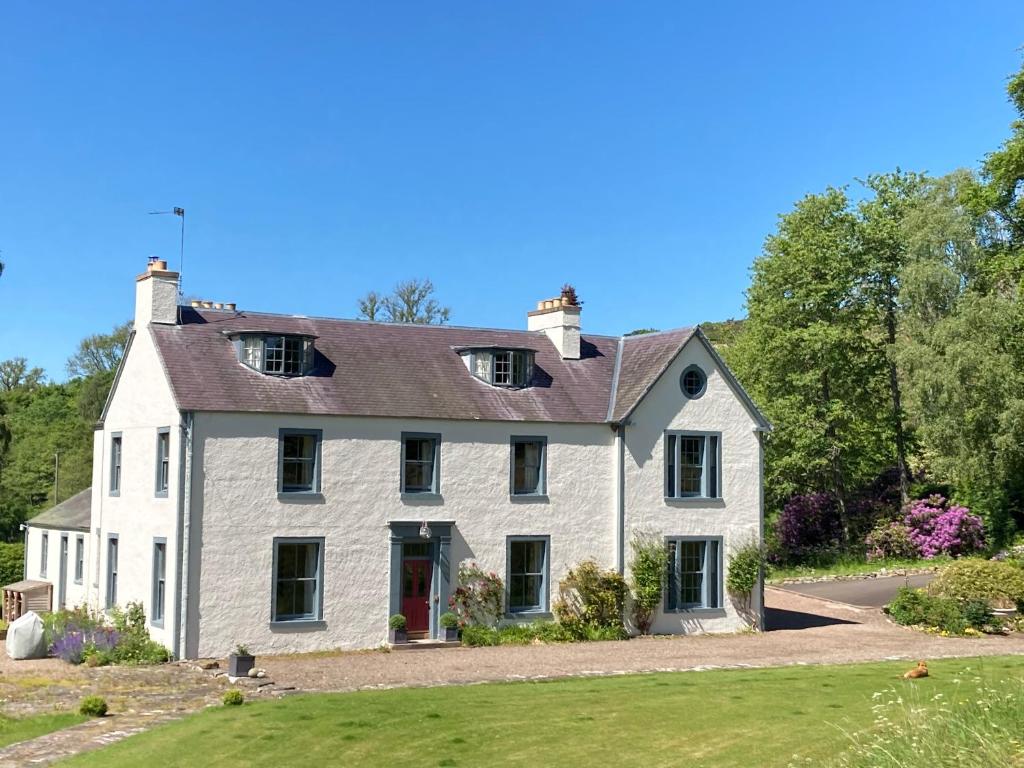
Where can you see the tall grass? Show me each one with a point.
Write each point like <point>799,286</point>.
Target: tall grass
<point>979,724</point>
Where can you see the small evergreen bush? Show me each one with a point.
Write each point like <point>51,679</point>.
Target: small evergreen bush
<point>397,622</point>
<point>448,620</point>
<point>915,607</point>
<point>590,598</point>
<point>746,565</point>
<point>233,698</point>
<point>647,578</point>
<point>93,706</point>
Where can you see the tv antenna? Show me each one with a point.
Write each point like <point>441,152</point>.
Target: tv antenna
<point>176,211</point>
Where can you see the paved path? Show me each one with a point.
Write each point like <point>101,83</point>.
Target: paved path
<point>869,593</point>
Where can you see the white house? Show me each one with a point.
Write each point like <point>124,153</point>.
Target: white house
<point>290,482</point>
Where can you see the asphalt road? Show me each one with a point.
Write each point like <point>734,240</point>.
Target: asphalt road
<point>869,593</point>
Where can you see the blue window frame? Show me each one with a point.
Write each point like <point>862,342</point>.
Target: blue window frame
<point>115,464</point>
<point>44,553</point>
<point>112,545</point>
<point>163,460</point>
<point>529,466</point>
<point>79,558</point>
<point>421,463</point>
<point>694,573</point>
<point>527,571</point>
<point>298,579</point>
<point>299,458</point>
<point>693,465</point>
<point>159,582</point>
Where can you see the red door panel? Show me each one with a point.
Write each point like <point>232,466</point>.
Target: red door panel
<point>416,594</point>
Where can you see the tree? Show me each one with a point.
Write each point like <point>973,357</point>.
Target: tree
<point>99,353</point>
<point>884,243</point>
<point>411,301</point>
<point>807,356</point>
<point>642,331</point>
<point>15,373</point>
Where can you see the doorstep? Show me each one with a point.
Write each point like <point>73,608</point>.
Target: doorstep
<point>422,645</point>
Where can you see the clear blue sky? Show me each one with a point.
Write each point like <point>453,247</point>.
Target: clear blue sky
<point>641,151</point>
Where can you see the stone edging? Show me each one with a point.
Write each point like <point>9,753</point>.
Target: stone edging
<point>884,573</point>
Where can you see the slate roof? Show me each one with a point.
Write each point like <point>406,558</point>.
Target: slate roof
<point>70,515</point>
<point>411,371</point>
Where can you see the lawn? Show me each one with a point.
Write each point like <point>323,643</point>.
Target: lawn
<point>716,718</point>
<point>15,729</point>
<point>850,566</point>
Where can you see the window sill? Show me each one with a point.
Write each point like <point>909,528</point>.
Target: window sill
<point>705,613</point>
<point>532,615</point>
<point>298,625</point>
<point>528,498</point>
<point>114,493</point>
<point>695,501</point>
<point>160,495</point>
<point>427,497</point>
<point>301,497</point>
<point>157,624</point>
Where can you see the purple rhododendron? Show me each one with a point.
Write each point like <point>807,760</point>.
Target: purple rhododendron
<point>938,529</point>
<point>809,524</point>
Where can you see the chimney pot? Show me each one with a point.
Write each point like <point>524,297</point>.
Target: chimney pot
<point>207,304</point>
<point>196,303</point>
<point>218,305</point>
<point>229,306</point>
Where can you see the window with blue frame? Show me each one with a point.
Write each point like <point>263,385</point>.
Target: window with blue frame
<point>692,466</point>
<point>299,470</point>
<point>420,471</point>
<point>298,565</point>
<point>529,475</point>
<point>527,575</point>
<point>694,574</point>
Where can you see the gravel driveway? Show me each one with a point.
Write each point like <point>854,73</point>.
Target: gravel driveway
<point>805,630</point>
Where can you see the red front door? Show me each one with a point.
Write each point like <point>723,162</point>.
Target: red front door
<point>416,596</point>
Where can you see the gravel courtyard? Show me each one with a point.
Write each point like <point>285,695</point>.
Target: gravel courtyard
<point>803,630</point>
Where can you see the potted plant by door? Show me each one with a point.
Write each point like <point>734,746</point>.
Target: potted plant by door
<point>240,662</point>
<point>450,624</point>
<point>396,629</point>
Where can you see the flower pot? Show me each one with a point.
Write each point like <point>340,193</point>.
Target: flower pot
<point>239,666</point>
<point>451,634</point>
<point>397,636</point>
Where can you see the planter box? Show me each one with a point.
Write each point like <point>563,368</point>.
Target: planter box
<point>450,634</point>
<point>397,636</point>
<point>239,666</point>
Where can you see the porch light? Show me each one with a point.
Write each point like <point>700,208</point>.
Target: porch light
<point>425,530</point>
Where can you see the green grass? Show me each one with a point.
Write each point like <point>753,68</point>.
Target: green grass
<point>15,729</point>
<point>715,718</point>
<point>849,566</point>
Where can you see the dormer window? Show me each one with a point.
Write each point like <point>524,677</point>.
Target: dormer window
<point>276,354</point>
<point>501,367</point>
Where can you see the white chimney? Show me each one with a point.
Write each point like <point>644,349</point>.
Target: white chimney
<point>560,321</point>
<point>156,295</point>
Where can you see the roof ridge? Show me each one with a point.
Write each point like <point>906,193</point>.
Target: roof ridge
<point>680,329</point>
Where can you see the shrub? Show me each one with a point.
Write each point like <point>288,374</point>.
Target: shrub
<point>978,614</point>
<point>478,635</point>
<point>938,529</point>
<point>397,622</point>
<point>1001,584</point>
<point>538,631</point>
<point>915,607</point>
<point>241,650</point>
<point>80,635</point>
<point>890,540</point>
<point>93,706</point>
<point>746,564</point>
<point>448,620</point>
<point>809,526</point>
<point>233,698</point>
<point>650,563</point>
<point>590,598</point>
<point>478,597</point>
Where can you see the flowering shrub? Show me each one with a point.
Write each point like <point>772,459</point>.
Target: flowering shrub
<point>80,635</point>
<point>808,526</point>
<point>938,529</point>
<point>478,597</point>
<point>890,539</point>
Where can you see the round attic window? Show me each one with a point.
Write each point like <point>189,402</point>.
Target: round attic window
<point>694,382</point>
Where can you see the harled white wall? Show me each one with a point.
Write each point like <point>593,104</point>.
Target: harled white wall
<point>141,405</point>
<point>75,594</point>
<point>237,514</point>
<point>736,517</point>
